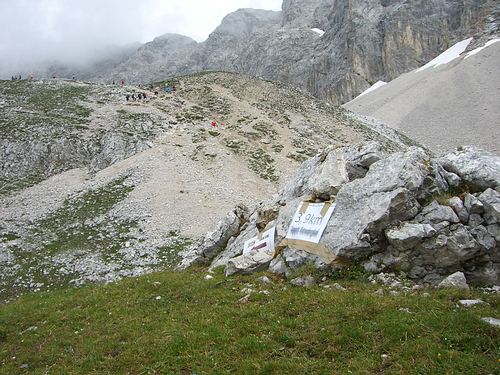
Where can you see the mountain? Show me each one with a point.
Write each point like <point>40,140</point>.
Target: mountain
<point>332,49</point>
<point>450,102</point>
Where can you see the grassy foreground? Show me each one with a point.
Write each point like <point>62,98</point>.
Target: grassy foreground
<point>180,323</point>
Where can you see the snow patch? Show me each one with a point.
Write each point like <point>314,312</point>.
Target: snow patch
<point>449,55</point>
<point>373,88</point>
<point>319,31</point>
<point>477,50</point>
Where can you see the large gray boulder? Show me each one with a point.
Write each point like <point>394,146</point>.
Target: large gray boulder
<point>479,169</point>
<point>323,175</point>
<point>456,281</point>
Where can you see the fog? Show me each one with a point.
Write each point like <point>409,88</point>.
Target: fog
<point>77,32</point>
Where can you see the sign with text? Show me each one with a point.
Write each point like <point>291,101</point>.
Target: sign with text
<point>262,243</point>
<point>310,221</point>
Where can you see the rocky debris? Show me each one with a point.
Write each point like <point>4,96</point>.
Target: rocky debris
<point>455,281</point>
<point>305,281</point>
<point>471,302</point>
<point>387,217</point>
<point>493,321</point>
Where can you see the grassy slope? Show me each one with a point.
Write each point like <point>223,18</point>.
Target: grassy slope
<point>198,326</point>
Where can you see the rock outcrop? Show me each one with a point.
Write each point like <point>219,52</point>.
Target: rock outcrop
<point>393,213</point>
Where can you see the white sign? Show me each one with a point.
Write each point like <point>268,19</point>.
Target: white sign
<point>310,221</point>
<point>264,244</point>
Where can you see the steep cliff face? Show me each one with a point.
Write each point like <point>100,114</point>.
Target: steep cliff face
<point>364,41</point>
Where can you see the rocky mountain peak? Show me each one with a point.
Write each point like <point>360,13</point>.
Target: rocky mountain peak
<point>244,22</point>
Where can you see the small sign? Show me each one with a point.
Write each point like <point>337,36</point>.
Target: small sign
<point>261,244</point>
<point>310,221</point>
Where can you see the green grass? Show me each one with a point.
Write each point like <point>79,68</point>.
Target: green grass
<point>199,327</point>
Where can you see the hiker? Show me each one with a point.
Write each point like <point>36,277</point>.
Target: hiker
<point>133,97</point>
<point>122,82</point>
<point>173,88</point>
<point>127,96</point>
<point>74,78</point>
<point>213,124</point>
<point>139,96</point>
<point>113,82</point>
<point>144,95</point>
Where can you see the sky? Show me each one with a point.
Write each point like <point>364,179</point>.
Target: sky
<point>76,31</point>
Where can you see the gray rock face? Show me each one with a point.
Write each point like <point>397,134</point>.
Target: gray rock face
<point>364,41</point>
<point>380,220</point>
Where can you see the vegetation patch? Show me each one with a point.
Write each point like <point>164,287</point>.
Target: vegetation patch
<point>81,226</point>
<point>56,107</point>
<point>180,323</point>
<point>262,164</point>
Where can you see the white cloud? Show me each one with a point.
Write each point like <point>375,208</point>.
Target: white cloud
<point>74,30</point>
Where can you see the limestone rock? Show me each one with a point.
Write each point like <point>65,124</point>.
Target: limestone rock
<point>409,234</point>
<point>473,205</point>
<point>475,220</point>
<point>306,281</point>
<point>471,302</point>
<point>478,168</point>
<point>436,213</point>
<point>214,242</point>
<point>458,206</point>
<point>455,281</point>
<point>245,264</point>
<point>492,321</point>
<point>483,237</point>
<point>490,200</point>
<point>279,266</point>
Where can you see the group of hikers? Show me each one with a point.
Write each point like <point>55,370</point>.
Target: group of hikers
<point>134,97</point>
<point>167,89</point>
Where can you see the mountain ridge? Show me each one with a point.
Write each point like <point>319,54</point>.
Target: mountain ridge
<point>364,41</point>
